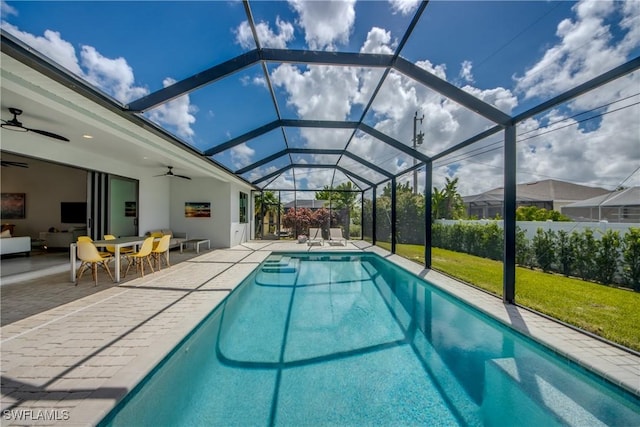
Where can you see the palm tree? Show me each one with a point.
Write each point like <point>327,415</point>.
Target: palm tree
<point>267,206</point>
<point>447,203</point>
<point>342,197</point>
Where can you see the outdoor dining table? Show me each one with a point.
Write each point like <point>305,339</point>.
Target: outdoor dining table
<point>118,243</point>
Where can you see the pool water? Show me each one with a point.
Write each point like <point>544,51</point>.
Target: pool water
<point>350,339</point>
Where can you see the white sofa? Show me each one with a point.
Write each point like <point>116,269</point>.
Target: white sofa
<point>61,239</point>
<point>15,245</point>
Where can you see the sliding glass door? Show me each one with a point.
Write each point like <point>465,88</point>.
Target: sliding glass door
<point>113,205</point>
<point>123,206</point>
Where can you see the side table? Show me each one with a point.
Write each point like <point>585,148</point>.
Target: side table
<point>195,243</point>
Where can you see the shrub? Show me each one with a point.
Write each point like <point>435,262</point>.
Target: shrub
<point>564,252</point>
<point>607,257</point>
<point>523,248</point>
<point>492,241</point>
<point>544,248</point>
<point>585,248</point>
<point>631,257</point>
<point>473,239</point>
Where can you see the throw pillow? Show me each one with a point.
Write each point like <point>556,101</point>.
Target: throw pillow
<point>5,234</point>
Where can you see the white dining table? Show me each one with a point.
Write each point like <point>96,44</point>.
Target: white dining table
<point>118,243</point>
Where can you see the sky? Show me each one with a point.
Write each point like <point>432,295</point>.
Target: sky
<point>512,55</point>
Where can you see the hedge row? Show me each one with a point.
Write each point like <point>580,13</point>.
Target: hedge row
<point>607,258</point>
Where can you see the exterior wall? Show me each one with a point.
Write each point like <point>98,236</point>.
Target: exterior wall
<point>239,232</point>
<point>215,228</point>
<point>154,203</point>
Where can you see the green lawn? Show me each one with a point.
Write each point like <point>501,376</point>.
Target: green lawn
<point>609,312</point>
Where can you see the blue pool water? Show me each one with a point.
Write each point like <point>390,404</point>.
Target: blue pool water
<point>350,339</point>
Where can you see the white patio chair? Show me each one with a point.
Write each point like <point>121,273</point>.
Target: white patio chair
<point>315,237</point>
<point>335,237</point>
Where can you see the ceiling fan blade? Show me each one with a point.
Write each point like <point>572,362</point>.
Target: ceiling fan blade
<point>17,164</point>
<point>181,176</point>
<point>49,134</point>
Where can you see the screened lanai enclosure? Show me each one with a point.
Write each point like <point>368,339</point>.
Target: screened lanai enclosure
<point>389,113</point>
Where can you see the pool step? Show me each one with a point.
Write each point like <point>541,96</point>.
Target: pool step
<point>280,273</point>
<point>284,265</point>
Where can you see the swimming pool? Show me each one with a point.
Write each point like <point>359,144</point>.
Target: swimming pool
<point>351,339</point>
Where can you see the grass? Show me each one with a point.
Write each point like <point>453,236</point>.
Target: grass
<point>611,313</point>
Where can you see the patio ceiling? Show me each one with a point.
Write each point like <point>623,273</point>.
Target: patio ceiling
<point>289,145</point>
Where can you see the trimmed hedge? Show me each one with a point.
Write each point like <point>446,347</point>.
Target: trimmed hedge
<point>607,258</point>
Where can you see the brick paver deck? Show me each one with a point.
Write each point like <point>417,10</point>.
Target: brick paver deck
<point>74,362</point>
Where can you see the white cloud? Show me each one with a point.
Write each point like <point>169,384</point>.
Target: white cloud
<point>585,49</point>
<point>405,7</point>
<point>51,45</point>
<point>465,71</point>
<point>266,36</point>
<point>6,9</point>
<point>307,90</point>
<point>113,75</point>
<point>378,41</point>
<point>325,23</point>
<point>178,113</point>
<point>241,155</point>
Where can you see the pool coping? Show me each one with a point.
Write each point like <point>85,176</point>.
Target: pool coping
<point>53,362</point>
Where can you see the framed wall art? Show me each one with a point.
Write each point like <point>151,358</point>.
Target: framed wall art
<point>13,206</point>
<point>129,208</point>
<point>197,210</point>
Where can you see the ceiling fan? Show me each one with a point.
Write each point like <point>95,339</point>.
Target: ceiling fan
<point>16,126</point>
<point>8,163</point>
<point>173,175</point>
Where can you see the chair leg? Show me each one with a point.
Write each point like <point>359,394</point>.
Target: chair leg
<point>106,267</point>
<point>129,261</point>
<point>94,272</point>
<point>149,262</point>
<point>81,270</point>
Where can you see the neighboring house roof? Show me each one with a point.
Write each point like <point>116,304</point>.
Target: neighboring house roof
<point>627,197</point>
<point>307,203</point>
<point>546,190</point>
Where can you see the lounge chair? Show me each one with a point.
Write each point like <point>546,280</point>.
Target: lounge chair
<point>335,237</point>
<point>315,237</point>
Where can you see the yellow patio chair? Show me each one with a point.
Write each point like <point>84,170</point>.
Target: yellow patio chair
<point>90,240</point>
<point>139,257</point>
<point>157,235</point>
<point>162,247</point>
<point>112,249</point>
<point>91,258</point>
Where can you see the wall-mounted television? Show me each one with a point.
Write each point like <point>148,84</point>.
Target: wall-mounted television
<point>73,212</point>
